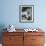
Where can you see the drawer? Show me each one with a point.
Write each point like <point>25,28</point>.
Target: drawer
<point>21,44</point>
<point>34,33</point>
<point>13,41</point>
<point>8,44</point>
<point>37,44</point>
<point>7,39</point>
<point>34,39</point>
<point>37,39</point>
<point>12,38</point>
<point>13,33</point>
<point>27,41</point>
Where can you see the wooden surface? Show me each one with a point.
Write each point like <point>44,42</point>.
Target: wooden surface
<point>22,38</point>
<point>13,39</point>
<point>34,39</point>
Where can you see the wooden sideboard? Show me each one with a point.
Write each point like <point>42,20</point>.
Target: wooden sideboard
<point>23,38</point>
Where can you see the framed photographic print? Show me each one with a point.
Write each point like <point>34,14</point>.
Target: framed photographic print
<point>26,13</point>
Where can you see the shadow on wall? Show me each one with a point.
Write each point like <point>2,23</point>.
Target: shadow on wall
<point>2,26</point>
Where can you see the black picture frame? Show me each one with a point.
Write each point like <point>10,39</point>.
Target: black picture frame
<point>26,13</point>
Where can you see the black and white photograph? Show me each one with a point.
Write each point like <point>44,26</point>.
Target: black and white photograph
<point>26,13</point>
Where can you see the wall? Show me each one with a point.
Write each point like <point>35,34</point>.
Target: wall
<point>9,13</point>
